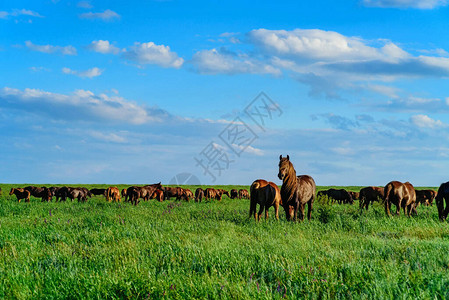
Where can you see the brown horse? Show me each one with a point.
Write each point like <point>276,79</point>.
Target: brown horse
<point>296,192</point>
<point>20,194</point>
<point>425,197</point>
<point>442,198</point>
<point>113,194</point>
<point>124,195</point>
<point>158,195</point>
<point>354,195</point>
<point>266,194</point>
<point>243,194</point>
<point>370,194</point>
<point>199,195</point>
<point>401,195</point>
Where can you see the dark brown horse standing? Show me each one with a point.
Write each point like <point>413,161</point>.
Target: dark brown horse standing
<point>199,195</point>
<point>370,194</point>
<point>20,194</point>
<point>442,198</point>
<point>266,194</point>
<point>401,195</point>
<point>296,191</point>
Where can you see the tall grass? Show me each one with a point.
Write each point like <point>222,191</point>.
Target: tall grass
<point>213,250</point>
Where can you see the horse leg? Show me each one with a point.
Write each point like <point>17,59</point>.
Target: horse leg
<point>387,207</point>
<point>398,207</point>
<point>252,209</point>
<point>261,208</point>
<point>276,211</point>
<point>446,210</point>
<point>301,211</point>
<point>367,202</point>
<point>309,209</point>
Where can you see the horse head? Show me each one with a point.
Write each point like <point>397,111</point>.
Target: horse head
<point>284,166</point>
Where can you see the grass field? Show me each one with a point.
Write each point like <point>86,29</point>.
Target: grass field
<point>178,250</point>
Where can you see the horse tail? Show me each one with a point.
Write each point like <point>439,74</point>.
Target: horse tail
<point>439,201</point>
<point>387,191</point>
<point>253,197</point>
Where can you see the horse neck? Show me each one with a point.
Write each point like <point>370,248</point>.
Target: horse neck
<point>289,182</point>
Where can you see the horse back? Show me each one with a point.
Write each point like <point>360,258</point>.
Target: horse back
<point>306,188</point>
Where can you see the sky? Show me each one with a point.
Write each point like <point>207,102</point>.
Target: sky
<point>213,92</point>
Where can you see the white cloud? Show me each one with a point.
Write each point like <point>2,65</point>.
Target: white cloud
<point>104,47</point>
<point>67,50</point>
<point>419,4</point>
<point>249,149</point>
<point>388,91</point>
<point>424,121</point>
<point>150,53</point>
<point>315,44</point>
<point>218,62</point>
<point>39,69</point>
<point>90,73</point>
<point>107,137</point>
<point>81,105</point>
<point>107,15</point>
<point>84,4</point>
<point>19,12</point>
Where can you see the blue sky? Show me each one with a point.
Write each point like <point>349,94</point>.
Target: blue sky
<point>140,91</point>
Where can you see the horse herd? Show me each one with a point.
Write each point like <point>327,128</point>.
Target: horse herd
<point>131,194</point>
<point>297,191</point>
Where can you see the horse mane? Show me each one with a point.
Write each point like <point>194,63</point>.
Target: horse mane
<point>289,184</point>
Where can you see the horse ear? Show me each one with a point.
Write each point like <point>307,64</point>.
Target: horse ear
<point>288,157</point>
<point>280,157</point>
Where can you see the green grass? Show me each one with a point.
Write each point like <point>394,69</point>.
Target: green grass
<point>178,250</point>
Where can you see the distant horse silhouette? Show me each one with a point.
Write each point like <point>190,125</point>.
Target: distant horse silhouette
<point>199,195</point>
<point>370,194</point>
<point>296,192</point>
<point>266,194</point>
<point>442,198</point>
<point>20,194</point>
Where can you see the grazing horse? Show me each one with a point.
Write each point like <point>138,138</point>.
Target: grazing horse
<point>442,198</point>
<point>223,192</point>
<point>425,197</point>
<point>211,193</point>
<point>170,192</point>
<point>199,195</point>
<point>266,194</point>
<point>187,194</point>
<point>78,193</point>
<point>234,194</point>
<point>113,194</point>
<point>124,195</point>
<point>98,192</point>
<point>40,192</point>
<point>354,195</point>
<point>370,194</point>
<point>401,195</point>
<point>296,192</point>
<point>243,194</point>
<point>20,194</point>
<point>158,195</point>
<point>342,196</point>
